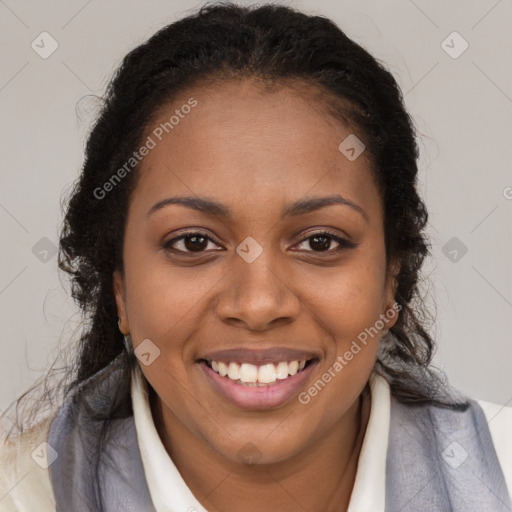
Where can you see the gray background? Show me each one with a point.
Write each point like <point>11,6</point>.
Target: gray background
<point>462,108</point>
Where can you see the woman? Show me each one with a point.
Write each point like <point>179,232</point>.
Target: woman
<point>245,240</point>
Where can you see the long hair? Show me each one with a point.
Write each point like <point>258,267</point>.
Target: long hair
<point>218,43</point>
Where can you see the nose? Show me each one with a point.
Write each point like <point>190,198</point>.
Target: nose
<point>258,295</point>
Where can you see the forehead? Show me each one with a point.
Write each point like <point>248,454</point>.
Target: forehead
<point>246,143</point>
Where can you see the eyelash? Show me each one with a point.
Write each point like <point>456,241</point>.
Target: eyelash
<point>343,243</point>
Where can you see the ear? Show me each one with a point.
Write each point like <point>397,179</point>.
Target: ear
<point>390,305</point>
<point>120,296</point>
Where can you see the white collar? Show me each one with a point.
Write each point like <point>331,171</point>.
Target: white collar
<point>368,494</point>
<point>170,493</point>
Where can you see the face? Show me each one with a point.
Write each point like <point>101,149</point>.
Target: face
<point>257,273</point>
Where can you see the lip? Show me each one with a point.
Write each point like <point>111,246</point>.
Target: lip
<point>259,356</point>
<point>259,398</point>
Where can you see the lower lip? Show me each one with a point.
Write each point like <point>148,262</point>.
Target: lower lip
<point>258,397</point>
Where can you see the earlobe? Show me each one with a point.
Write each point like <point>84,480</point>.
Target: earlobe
<point>392,307</point>
<point>393,271</point>
<point>119,294</point>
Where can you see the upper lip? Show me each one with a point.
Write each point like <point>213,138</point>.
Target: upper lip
<point>259,356</point>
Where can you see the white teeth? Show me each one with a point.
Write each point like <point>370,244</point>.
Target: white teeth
<point>282,370</point>
<point>251,374</point>
<point>267,373</point>
<point>248,372</point>
<point>234,371</point>
<point>293,367</point>
<point>223,369</point>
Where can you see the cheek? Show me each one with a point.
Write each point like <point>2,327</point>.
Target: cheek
<point>347,300</point>
<point>170,306</point>
<point>346,308</point>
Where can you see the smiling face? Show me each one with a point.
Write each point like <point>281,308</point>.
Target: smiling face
<point>256,280</point>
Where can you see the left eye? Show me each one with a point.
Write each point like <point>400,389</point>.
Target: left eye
<point>321,242</point>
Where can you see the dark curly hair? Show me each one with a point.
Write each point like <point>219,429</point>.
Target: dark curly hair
<point>267,42</point>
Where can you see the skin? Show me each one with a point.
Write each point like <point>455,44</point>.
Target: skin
<point>256,149</point>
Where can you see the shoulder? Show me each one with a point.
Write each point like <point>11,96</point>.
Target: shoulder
<point>499,420</point>
<point>498,416</point>
<point>24,476</point>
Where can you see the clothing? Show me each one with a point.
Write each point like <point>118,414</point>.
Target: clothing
<point>135,448</point>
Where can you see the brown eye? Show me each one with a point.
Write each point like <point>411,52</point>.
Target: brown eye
<point>322,242</point>
<point>189,243</point>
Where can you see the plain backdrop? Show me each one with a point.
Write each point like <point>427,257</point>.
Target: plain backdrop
<point>460,99</point>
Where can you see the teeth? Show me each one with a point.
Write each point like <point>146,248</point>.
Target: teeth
<point>223,369</point>
<point>248,372</point>
<point>252,374</point>
<point>267,373</point>
<point>293,367</point>
<point>282,370</point>
<point>234,371</point>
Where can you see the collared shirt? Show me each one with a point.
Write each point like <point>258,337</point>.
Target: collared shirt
<point>170,493</point>
<point>25,483</point>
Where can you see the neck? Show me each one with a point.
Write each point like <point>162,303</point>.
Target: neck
<point>318,479</point>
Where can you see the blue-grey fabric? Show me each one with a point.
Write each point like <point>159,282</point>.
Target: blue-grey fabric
<point>99,467</point>
<point>438,459</point>
<point>442,460</point>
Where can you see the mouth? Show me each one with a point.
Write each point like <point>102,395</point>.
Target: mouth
<point>252,375</point>
<point>258,386</point>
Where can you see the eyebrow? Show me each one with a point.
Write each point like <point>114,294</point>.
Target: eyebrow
<point>300,207</point>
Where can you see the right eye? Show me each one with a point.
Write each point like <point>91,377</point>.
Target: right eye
<point>191,242</point>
